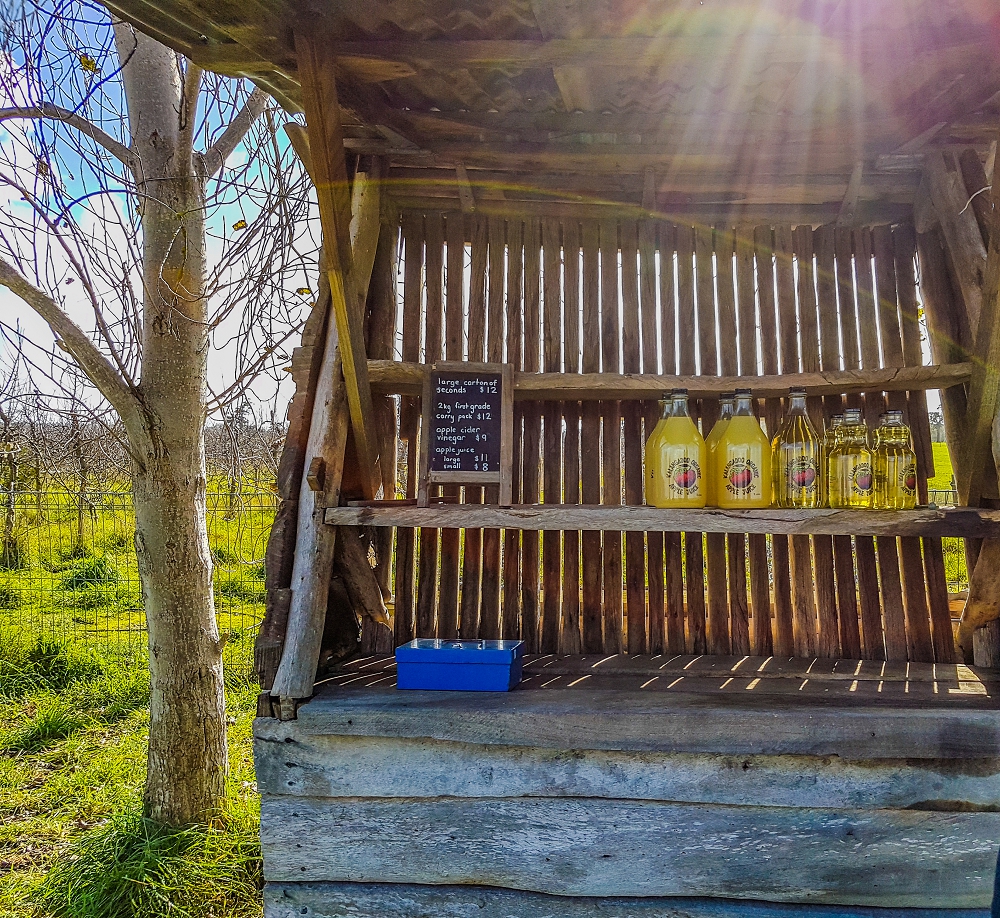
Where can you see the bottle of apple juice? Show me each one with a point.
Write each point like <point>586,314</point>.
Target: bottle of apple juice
<point>743,460</point>
<point>851,473</point>
<point>726,402</point>
<point>895,465</point>
<point>796,454</point>
<point>675,458</point>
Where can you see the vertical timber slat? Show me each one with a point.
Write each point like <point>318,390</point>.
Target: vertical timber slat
<point>552,475</point>
<point>532,433</point>
<point>635,559</point>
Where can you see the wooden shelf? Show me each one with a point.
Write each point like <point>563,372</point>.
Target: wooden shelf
<point>967,522</point>
<point>394,377</point>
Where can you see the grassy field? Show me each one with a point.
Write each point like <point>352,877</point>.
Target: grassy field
<point>73,723</point>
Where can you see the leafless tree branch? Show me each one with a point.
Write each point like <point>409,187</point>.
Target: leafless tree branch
<point>73,339</point>
<point>216,155</point>
<point>56,113</point>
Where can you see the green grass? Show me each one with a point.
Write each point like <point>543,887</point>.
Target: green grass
<point>74,694</point>
<point>72,760</point>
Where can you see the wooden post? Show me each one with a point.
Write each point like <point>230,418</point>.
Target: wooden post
<point>328,425</point>
<point>983,604</point>
<point>326,141</point>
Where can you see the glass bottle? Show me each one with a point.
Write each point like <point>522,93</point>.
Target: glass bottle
<point>675,458</point>
<point>895,465</point>
<point>829,441</point>
<point>743,460</point>
<point>726,402</point>
<point>851,475</point>
<point>796,454</point>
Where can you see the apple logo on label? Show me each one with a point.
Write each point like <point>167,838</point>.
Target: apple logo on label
<point>741,479</point>
<point>686,479</point>
<point>805,477</point>
<point>864,481</point>
<point>911,482</point>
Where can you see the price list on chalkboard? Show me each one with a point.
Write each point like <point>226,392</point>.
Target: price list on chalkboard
<point>468,423</point>
<point>465,433</point>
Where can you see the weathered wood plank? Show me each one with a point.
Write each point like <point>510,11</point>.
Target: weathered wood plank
<point>590,441</point>
<point>664,721</point>
<point>570,637</point>
<point>611,438</point>
<point>515,355</point>
<point>401,378</point>
<point>552,441</point>
<point>291,763</point>
<point>584,847</point>
<point>329,172</point>
<point>396,900</point>
<point>966,522</point>
<point>532,431</point>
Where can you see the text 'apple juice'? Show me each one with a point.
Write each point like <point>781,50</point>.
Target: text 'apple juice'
<point>675,457</point>
<point>743,460</point>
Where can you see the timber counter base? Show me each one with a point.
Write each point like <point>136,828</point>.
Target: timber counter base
<point>586,799</point>
<point>367,900</point>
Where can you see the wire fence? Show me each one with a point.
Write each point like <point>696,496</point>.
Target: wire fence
<point>68,569</point>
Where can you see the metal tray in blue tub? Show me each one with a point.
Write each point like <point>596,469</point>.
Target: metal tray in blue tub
<point>463,666</point>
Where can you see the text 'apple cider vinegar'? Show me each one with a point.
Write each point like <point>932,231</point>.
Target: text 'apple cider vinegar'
<point>796,456</point>
<point>675,458</point>
<point>726,402</point>
<point>851,473</point>
<point>895,465</point>
<point>743,460</point>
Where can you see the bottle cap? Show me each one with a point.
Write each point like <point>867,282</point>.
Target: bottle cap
<point>797,392</point>
<point>894,418</point>
<point>836,420</point>
<point>676,393</point>
<point>727,395</point>
<point>744,393</point>
<point>852,416</point>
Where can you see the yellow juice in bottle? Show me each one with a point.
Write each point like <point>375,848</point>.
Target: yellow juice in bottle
<point>796,456</point>
<point>712,446</point>
<point>743,464</point>
<point>851,473</point>
<point>895,466</point>
<point>830,439</point>
<point>676,459</point>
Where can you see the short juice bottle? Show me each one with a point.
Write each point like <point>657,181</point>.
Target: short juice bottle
<point>726,401</point>
<point>851,473</point>
<point>796,455</point>
<point>675,459</point>
<point>895,465</point>
<point>743,460</point>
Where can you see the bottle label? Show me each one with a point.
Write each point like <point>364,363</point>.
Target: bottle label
<point>684,476</point>
<point>742,477</point>
<point>801,475</point>
<point>862,478</point>
<point>908,479</point>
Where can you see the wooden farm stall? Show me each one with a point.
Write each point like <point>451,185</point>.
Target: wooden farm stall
<point>723,713</point>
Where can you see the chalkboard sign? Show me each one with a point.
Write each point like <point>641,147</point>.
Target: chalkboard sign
<point>467,427</point>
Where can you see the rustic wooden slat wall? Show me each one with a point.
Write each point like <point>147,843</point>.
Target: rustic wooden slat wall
<point>641,296</point>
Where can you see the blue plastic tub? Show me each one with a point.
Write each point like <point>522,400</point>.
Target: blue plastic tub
<point>463,666</point>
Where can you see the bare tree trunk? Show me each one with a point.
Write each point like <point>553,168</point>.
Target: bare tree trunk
<point>187,761</point>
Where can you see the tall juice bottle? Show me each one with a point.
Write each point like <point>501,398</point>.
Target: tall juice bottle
<point>895,465</point>
<point>852,478</point>
<point>796,455</point>
<point>675,459</point>
<point>744,460</point>
<point>655,493</point>
<point>830,438</point>
<point>726,402</point>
